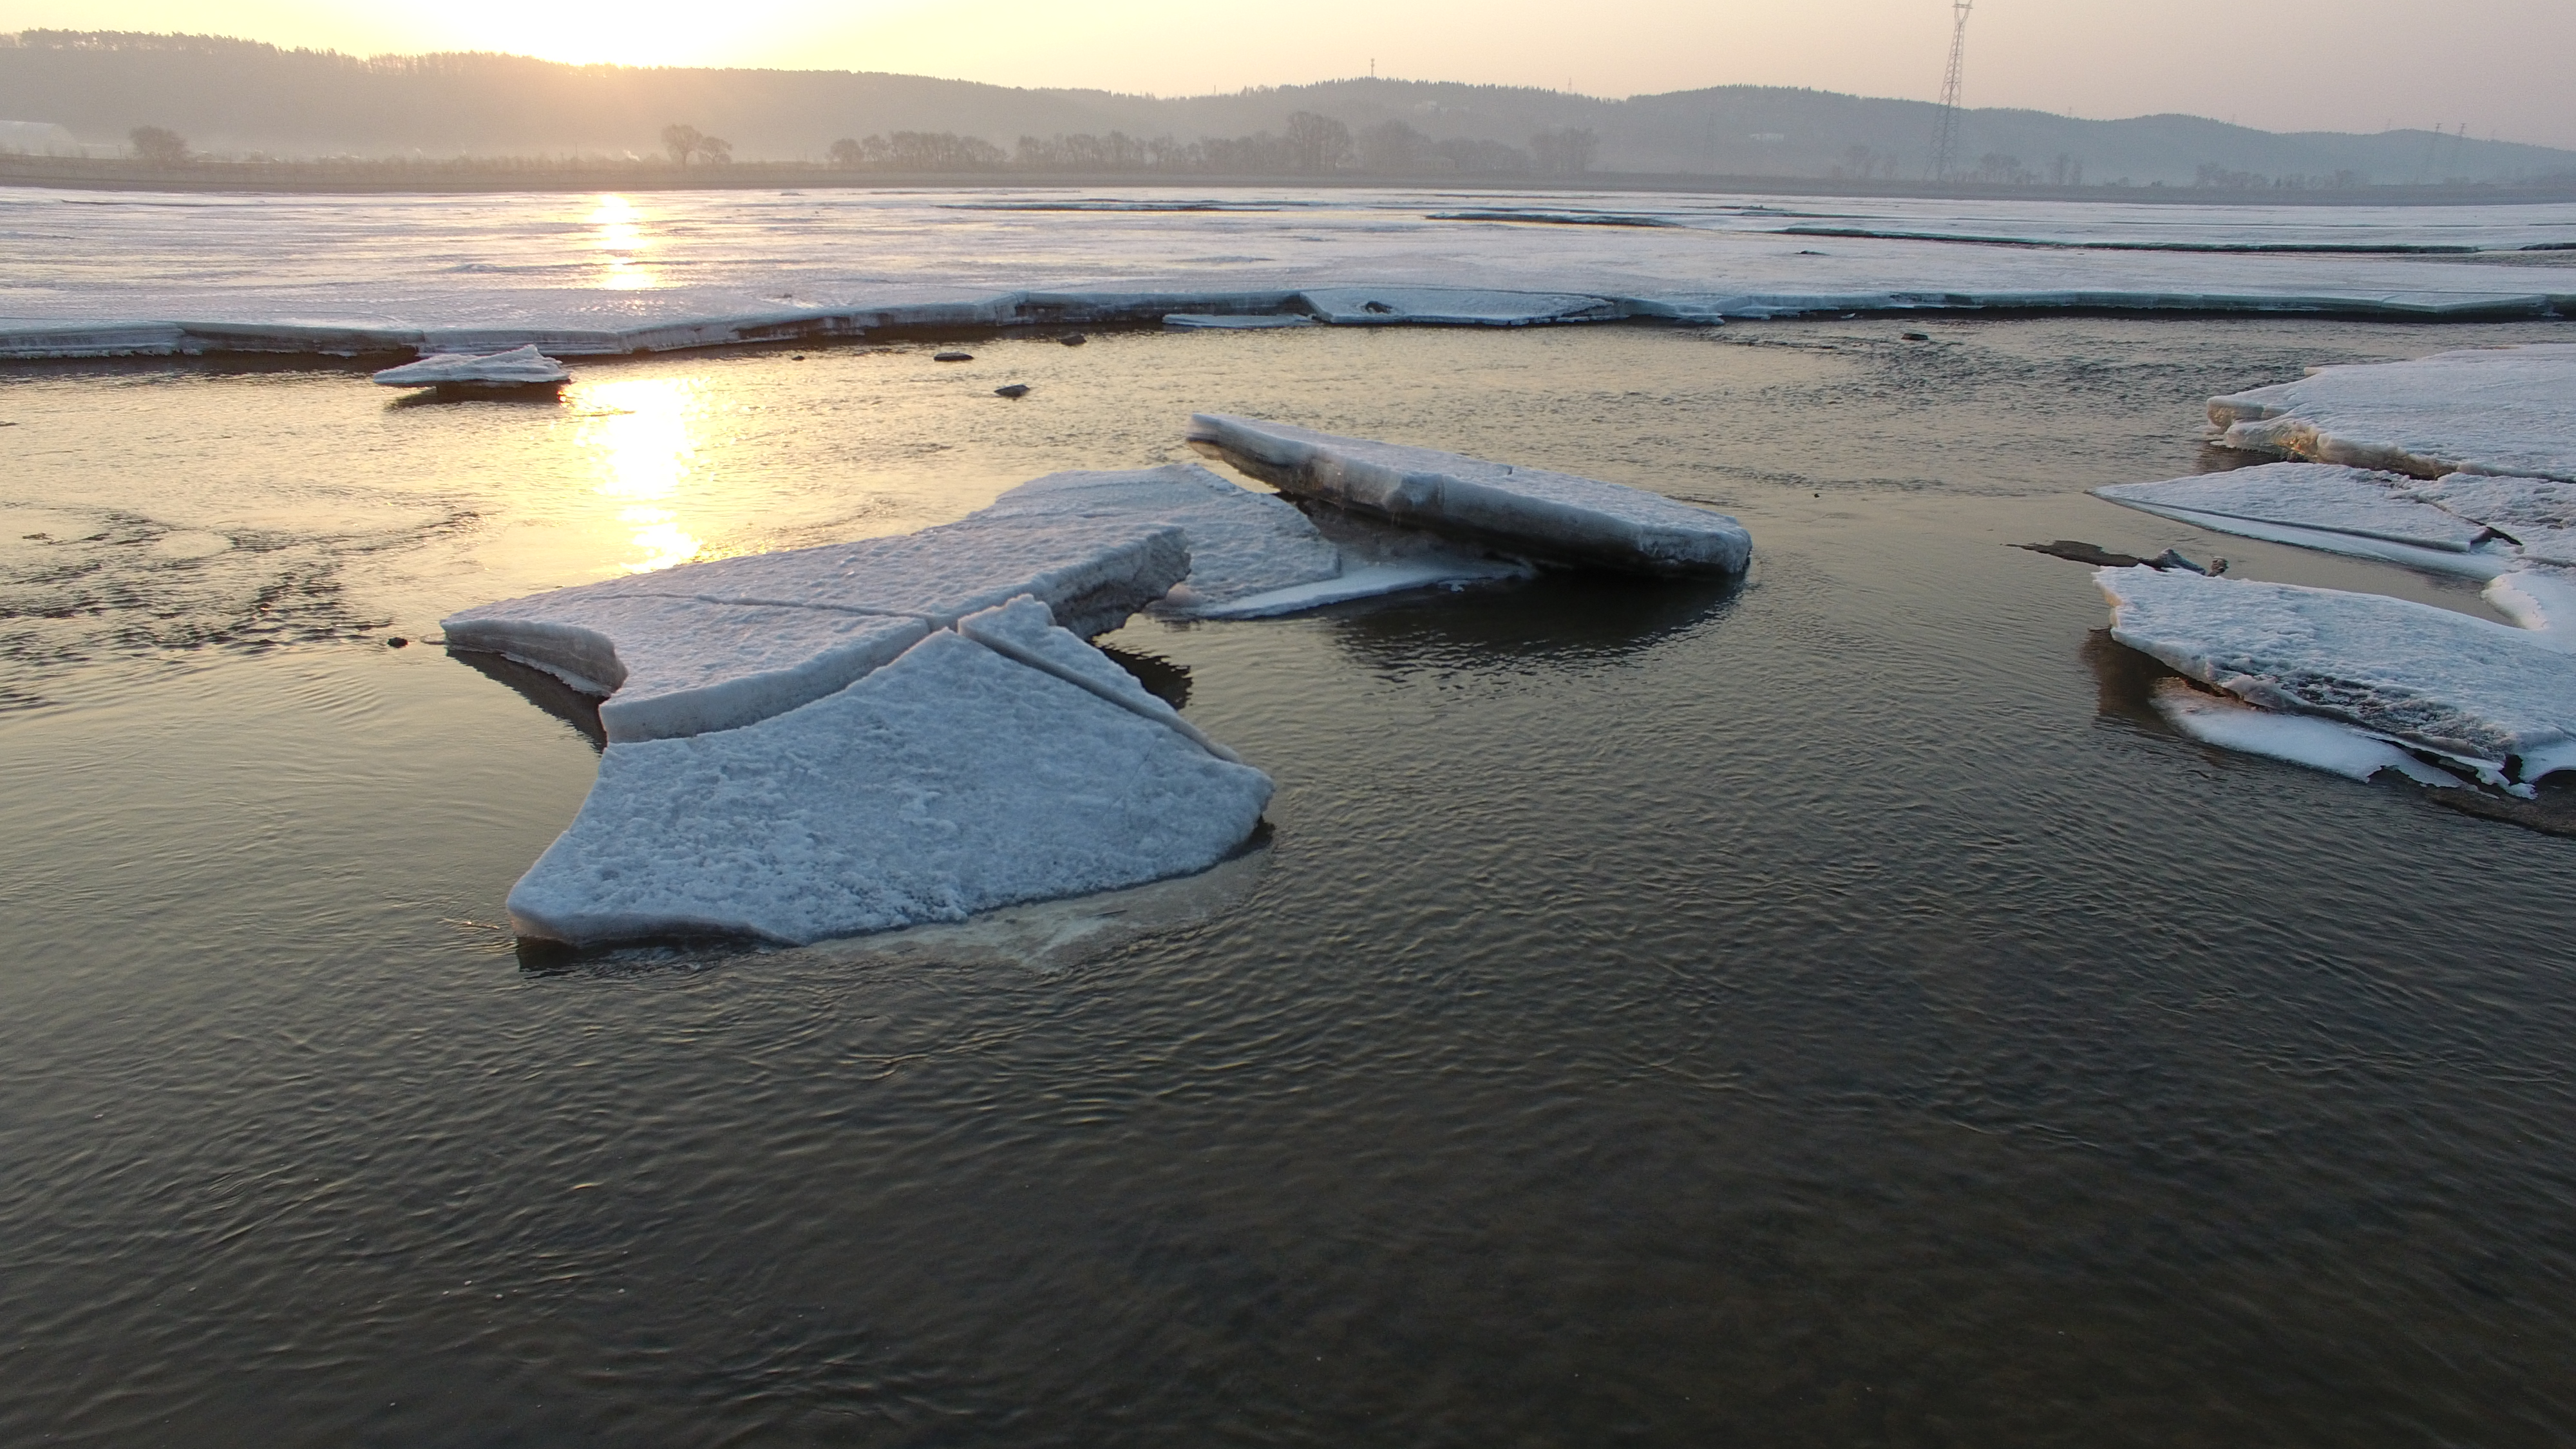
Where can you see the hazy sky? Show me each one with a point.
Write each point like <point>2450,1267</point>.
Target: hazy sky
<point>2358,65</point>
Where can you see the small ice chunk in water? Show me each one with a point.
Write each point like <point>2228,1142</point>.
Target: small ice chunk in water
<point>518,367</point>
<point>2504,410</point>
<point>2483,693</point>
<point>952,781</point>
<point>1241,542</point>
<point>1554,515</point>
<point>2302,739</point>
<point>717,645</point>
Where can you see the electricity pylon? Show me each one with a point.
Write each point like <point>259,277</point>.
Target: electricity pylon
<point>1945,138</point>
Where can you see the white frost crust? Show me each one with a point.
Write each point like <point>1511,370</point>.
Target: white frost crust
<point>1554,514</point>
<point>2318,496</point>
<point>1240,542</point>
<point>1025,633</point>
<point>518,367</point>
<point>2540,599</point>
<point>949,782</point>
<point>719,645</point>
<point>2302,739</point>
<point>2503,410</point>
<point>2484,693</point>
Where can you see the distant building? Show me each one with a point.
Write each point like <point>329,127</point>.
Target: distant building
<point>37,138</point>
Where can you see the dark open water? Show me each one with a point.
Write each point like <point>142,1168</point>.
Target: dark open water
<point>1835,1011</point>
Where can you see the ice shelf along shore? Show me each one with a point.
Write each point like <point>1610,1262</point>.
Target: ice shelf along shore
<point>2488,696</point>
<point>218,274</point>
<point>958,778</point>
<point>1555,516</point>
<point>2500,410</point>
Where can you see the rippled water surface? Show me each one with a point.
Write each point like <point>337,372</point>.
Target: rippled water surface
<point>1834,1010</point>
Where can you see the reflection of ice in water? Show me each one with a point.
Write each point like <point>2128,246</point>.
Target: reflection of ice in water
<point>621,237</point>
<point>641,431</point>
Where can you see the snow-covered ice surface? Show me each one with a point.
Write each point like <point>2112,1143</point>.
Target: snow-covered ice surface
<point>718,645</point>
<point>2483,693</point>
<point>2302,739</point>
<point>1241,542</point>
<point>2504,410</point>
<point>94,274</point>
<point>1555,515</point>
<point>952,781</point>
<point>517,367</point>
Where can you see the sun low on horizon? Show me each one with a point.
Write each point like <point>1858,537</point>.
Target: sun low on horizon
<point>2487,64</point>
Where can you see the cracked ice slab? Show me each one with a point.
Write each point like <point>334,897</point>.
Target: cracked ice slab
<point>1556,515</point>
<point>2322,496</point>
<point>1241,542</point>
<point>951,781</point>
<point>517,367</point>
<point>2480,692</point>
<point>2302,739</point>
<point>719,645</point>
<point>2501,410</point>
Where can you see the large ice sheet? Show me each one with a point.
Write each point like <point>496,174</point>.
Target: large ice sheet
<point>2484,693</point>
<point>1241,542</point>
<point>517,367</point>
<point>139,273</point>
<point>951,781</point>
<point>2502,410</point>
<point>717,645</point>
<point>1556,515</point>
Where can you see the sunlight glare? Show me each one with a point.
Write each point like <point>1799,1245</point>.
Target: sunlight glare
<point>643,434</point>
<point>620,238</point>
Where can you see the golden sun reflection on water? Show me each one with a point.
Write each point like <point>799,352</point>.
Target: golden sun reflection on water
<point>641,433</point>
<point>622,239</point>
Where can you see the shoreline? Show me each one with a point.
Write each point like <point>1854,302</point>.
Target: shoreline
<point>437,178</point>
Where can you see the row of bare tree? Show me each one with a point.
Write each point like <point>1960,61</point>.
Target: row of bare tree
<point>1311,145</point>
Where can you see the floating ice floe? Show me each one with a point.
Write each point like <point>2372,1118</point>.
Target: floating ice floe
<point>714,646</point>
<point>956,779</point>
<point>2487,695</point>
<point>2502,410</point>
<point>518,367</point>
<point>1240,542</point>
<point>1552,515</point>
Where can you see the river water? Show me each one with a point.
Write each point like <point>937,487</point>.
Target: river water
<point>1833,1010</point>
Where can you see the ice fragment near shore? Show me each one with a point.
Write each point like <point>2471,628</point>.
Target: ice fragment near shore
<point>951,781</point>
<point>1554,515</point>
<point>2504,410</point>
<point>518,367</point>
<point>718,645</point>
<point>2483,693</point>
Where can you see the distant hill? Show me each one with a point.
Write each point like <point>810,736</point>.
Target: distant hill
<point>244,98</point>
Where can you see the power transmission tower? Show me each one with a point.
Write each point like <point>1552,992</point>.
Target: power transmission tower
<point>1945,139</point>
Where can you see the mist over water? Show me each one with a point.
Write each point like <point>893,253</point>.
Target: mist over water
<point>1834,1008</point>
